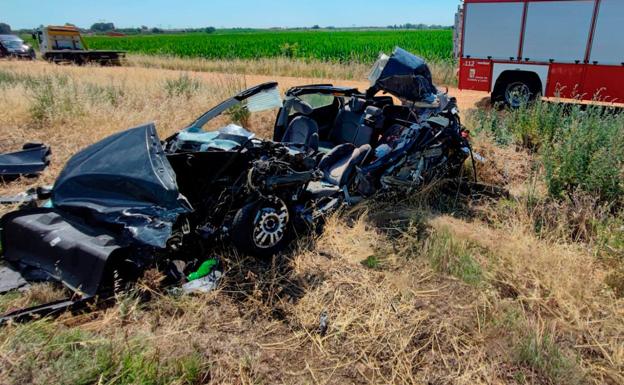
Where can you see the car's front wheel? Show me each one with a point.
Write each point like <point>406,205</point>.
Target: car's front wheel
<point>262,228</point>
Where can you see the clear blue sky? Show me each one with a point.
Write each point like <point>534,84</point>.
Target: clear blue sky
<point>227,13</point>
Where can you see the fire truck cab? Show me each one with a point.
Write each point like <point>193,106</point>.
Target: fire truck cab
<point>520,49</point>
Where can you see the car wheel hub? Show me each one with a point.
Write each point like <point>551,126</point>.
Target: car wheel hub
<point>270,224</point>
<point>517,94</point>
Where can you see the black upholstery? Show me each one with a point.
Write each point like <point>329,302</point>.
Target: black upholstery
<point>348,126</point>
<point>302,129</point>
<point>302,107</point>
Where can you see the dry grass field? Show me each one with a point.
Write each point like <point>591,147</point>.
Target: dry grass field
<point>436,288</point>
<point>444,72</point>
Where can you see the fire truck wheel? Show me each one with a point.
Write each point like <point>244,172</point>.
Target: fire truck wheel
<point>515,92</point>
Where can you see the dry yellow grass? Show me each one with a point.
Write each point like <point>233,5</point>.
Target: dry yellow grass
<point>464,294</point>
<point>444,73</point>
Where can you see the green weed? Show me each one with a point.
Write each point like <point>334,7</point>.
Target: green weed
<point>53,98</point>
<point>580,146</point>
<point>182,86</point>
<point>452,256</point>
<point>372,262</point>
<point>51,354</point>
<point>542,355</point>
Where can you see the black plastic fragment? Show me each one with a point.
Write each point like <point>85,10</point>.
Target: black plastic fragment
<point>30,161</point>
<point>65,247</point>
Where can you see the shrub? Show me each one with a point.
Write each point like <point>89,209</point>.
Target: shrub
<point>587,155</point>
<point>543,355</point>
<point>580,146</point>
<point>110,94</point>
<point>239,114</point>
<point>53,98</point>
<point>182,86</point>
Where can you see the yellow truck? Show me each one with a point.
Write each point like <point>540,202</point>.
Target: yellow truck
<point>64,44</point>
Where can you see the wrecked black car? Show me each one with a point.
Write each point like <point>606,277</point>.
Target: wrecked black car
<point>132,201</point>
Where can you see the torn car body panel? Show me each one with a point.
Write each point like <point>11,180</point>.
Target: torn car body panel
<point>31,160</point>
<point>403,75</point>
<point>124,180</point>
<point>64,247</point>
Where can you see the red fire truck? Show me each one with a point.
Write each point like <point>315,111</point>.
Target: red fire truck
<point>519,49</point>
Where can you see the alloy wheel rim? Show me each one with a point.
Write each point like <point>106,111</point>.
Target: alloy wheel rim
<point>270,224</point>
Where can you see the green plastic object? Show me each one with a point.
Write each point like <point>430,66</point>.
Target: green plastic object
<point>203,270</point>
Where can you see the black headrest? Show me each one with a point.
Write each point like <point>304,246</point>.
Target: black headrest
<point>357,104</point>
<point>373,111</point>
<point>302,107</point>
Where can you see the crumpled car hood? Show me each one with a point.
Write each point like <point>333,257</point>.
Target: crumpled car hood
<point>125,180</point>
<point>406,76</point>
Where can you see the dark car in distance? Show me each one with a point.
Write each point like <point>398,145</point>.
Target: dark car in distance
<point>12,46</point>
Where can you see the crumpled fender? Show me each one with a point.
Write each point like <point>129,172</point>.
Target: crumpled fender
<point>124,180</point>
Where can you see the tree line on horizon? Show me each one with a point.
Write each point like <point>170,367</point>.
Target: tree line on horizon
<point>108,27</point>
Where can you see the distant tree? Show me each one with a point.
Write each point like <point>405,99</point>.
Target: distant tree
<point>316,26</point>
<point>144,28</point>
<point>102,27</point>
<point>209,29</point>
<point>157,30</point>
<point>5,28</point>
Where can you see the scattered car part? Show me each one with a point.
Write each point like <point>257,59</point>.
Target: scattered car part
<point>204,269</point>
<point>323,323</point>
<point>67,248</point>
<point>30,161</point>
<point>48,309</point>
<point>204,284</point>
<point>28,198</point>
<point>11,279</point>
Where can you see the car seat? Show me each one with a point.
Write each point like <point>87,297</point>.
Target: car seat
<point>348,126</point>
<point>302,130</point>
<point>338,168</point>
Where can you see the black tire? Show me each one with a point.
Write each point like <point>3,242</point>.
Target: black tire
<point>516,91</point>
<point>262,228</point>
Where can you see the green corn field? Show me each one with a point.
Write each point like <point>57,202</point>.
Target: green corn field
<point>342,46</point>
